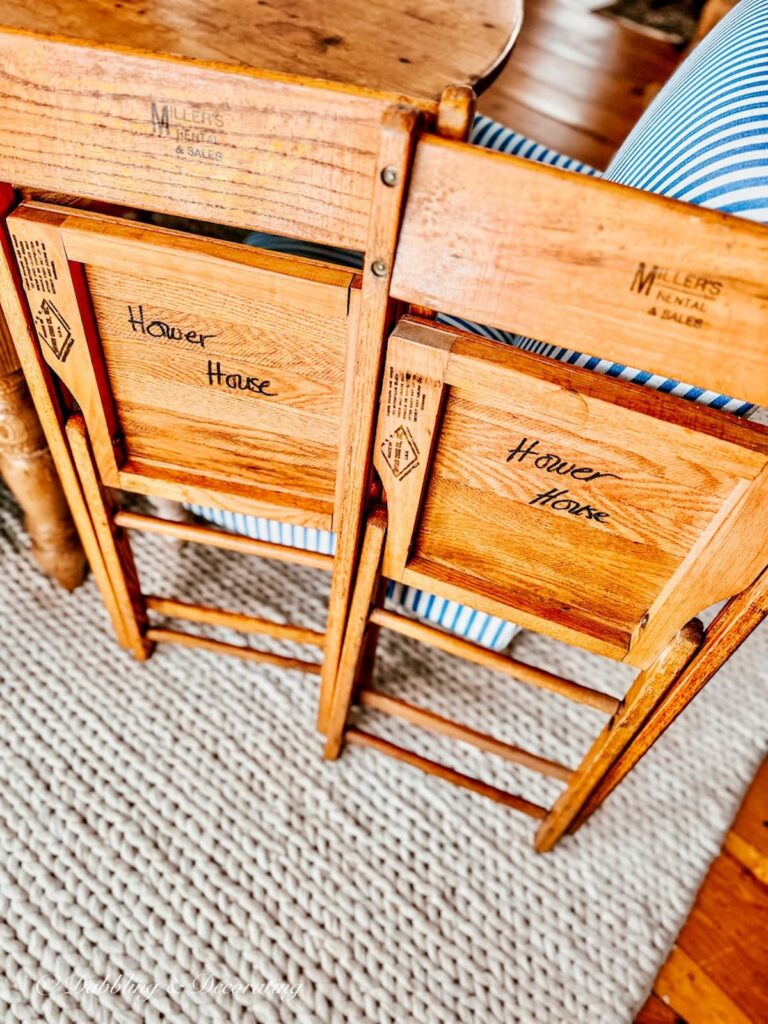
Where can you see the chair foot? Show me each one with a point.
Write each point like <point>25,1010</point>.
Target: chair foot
<point>333,748</point>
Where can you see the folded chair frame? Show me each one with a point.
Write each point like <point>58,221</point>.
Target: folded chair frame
<point>666,683</point>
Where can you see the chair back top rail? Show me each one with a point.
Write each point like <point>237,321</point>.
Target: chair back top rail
<point>590,510</point>
<point>637,279</point>
<point>191,138</point>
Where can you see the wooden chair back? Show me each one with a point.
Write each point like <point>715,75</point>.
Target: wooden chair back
<point>206,140</point>
<point>626,276</point>
<point>206,371</point>
<point>580,506</point>
<point>233,146</point>
<point>200,371</point>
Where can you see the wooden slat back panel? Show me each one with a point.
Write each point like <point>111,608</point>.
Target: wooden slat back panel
<point>190,138</point>
<point>567,502</point>
<point>614,272</point>
<point>207,362</point>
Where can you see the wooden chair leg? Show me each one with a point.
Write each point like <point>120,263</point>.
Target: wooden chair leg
<point>362,597</point>
<point>735,622</point>
<point>645,693</point>
<point>371,642</point>
<point>113,544</point>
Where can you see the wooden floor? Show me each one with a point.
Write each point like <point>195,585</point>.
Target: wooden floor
<point>717,972</point>
<point>577,81</point>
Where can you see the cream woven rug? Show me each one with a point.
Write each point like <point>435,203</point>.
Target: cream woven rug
<point>175,849</point>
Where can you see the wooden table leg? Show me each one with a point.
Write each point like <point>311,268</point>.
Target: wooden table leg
<point>28,470</point>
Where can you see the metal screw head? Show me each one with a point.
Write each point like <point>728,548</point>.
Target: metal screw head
<point>389,176</point>
<point>379,268</point>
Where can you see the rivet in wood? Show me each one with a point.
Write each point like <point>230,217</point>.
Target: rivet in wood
<point>379,268</point>
<point>389,176</point>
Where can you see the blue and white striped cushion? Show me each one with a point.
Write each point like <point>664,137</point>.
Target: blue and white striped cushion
<point>703,140</point>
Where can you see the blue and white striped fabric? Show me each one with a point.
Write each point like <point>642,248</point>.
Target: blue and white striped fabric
<point>307,538</point>
<point>491,135</point>
<point>703,140</point>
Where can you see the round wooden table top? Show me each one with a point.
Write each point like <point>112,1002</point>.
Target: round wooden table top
<point>413,47</point>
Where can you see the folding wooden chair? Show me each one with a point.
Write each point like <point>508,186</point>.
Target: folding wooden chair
<point>228,145</point>
<point>202,371</point>
<point>590,509</point>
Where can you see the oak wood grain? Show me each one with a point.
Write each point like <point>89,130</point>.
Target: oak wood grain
<point>586,264</point>
<point>442,726</point>
<point>192,139</point>
<point>158,634</point>
<point>211,361</point>
<point>733,624</point>
<point>28,470</point>
<point>543,485</point>
<point>499,662</point>
<point>113,545</point>
<point>239,621</point>
<point>46,402</point>
<point>470,434</point>
<point>391,45</point>
<point>717,970</point>
<point>441,771</point>
<point>340,697</point>
<point>747,839</point>
<point>222,539</point>
<point>376,313</point>
<point>655,1011</point>
<point>643,695</point>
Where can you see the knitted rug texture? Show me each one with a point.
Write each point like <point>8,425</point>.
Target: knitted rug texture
<point>174,848</point>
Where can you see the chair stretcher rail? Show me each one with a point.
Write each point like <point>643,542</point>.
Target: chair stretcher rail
<point>173,636</point>
<point>491,659</point>
<point>517,803</point>
<point>232,620</point>
<point>227,541</point>
<point>432,722</point>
